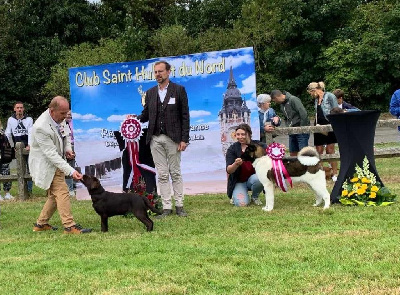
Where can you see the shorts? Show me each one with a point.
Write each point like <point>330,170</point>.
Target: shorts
<point>298,141</point>
<point>321,139</point>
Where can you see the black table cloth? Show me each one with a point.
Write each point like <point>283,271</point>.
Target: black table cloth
<point>355,133</point>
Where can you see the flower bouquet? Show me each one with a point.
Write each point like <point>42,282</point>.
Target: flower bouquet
<point>155,200</point>
<point>364,190</point>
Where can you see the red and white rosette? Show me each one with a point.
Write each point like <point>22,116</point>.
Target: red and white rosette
<point>276,152</point>
<point>131,130</point>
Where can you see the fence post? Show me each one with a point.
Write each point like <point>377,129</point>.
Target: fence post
<point>269,138</point>
<point>21,170</point>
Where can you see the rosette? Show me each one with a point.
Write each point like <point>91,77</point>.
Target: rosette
<point>276,152</point>
<point>131,130</point>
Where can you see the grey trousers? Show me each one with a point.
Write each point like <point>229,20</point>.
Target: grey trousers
<point>167,160</point>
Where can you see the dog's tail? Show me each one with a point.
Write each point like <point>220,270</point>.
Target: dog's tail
<point>308,156</point>
<point>151,207</point>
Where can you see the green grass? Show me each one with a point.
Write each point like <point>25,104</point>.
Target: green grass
<point>218,249</point>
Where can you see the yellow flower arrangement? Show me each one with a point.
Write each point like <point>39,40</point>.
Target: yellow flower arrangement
<point>364,190</point>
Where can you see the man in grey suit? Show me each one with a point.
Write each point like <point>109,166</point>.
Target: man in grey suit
<point>50,147</point>
<point>167,111</point>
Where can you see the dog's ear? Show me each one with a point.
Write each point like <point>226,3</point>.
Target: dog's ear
<point>248,154</point>
<point>251,147</point>
<point>259,152</point>
<point>95,183</point>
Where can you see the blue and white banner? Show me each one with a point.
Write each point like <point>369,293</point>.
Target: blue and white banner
<point>216,83</point>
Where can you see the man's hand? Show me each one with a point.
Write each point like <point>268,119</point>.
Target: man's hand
<point>27,148</point>
<point>275,120</point>
<point>70,155</point>
<point>182,146</point>
<point>76,175</point>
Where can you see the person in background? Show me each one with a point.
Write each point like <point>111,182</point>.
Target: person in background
<point>50,147</point>
<point>394,108</point>
<point>166,109</point>
<point>69,180</point>
<point>267,116</point>
<point>18,130</point>
<point>5,164</point>
<point>242,176</point>
<point>295,115</point>
<point>339,93</point>
<point>324,103</point>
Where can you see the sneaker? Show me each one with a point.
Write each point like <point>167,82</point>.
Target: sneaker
<point>8,196</point>
<point>72,193</point>
<point>334,178</point>
<point>43,227</point>
<point>257,202</point>
<point>76,229</point>
<point>231,202</point>
<point>1,198</point>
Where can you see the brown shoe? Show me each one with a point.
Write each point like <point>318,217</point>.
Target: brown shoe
<point>43,227</point>
<point>76,229</point>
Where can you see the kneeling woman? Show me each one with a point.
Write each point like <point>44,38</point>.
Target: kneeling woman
<point>242,177</point>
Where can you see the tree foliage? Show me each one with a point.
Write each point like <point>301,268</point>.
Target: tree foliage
<point>85,54</point>
<point>349,44</point>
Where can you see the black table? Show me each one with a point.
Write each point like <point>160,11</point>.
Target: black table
<point>355,133</point>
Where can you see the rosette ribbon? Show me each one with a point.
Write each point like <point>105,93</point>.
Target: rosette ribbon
<point>276,152</point>
<point>131,130</point>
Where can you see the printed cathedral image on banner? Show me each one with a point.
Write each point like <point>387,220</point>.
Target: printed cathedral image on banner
<point>221,89</point>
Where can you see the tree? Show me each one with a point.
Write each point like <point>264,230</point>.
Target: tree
<point>365,59</point>
<point>85,54</point>
<point>36,32</point>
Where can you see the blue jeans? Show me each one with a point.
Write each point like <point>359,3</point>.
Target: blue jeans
<point>298,141</point>
<point>240,196</point>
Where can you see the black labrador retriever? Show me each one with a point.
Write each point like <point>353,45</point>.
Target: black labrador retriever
<point>108,204</point>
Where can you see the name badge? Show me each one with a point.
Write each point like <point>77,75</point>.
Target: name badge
<point>171,100</point>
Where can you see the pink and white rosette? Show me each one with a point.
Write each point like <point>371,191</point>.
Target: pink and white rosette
<point>276,152</point>
<point>131,130</point>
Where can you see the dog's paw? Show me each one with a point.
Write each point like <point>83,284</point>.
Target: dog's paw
<point>267,209</point>
<point>326,207</point>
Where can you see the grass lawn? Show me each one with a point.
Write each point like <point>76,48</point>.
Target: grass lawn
<point>218,249</point>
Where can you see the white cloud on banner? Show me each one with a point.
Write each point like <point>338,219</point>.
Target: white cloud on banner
<point>199,113</point>
<point>219,85</point>
<point>86,117</point>
<point>249,85</point>
<point>116,118</point>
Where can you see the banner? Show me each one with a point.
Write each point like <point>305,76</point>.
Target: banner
<point>221,88</point>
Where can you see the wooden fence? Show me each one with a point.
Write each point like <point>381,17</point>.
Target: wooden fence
<point>23,176</point>
<point>379,153</point>
<point>100,169</point>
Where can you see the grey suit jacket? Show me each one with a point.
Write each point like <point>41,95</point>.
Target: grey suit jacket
<point>47,151</point>
<point>176,112</point>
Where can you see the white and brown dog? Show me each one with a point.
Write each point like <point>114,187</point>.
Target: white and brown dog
<point>305,168</point>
